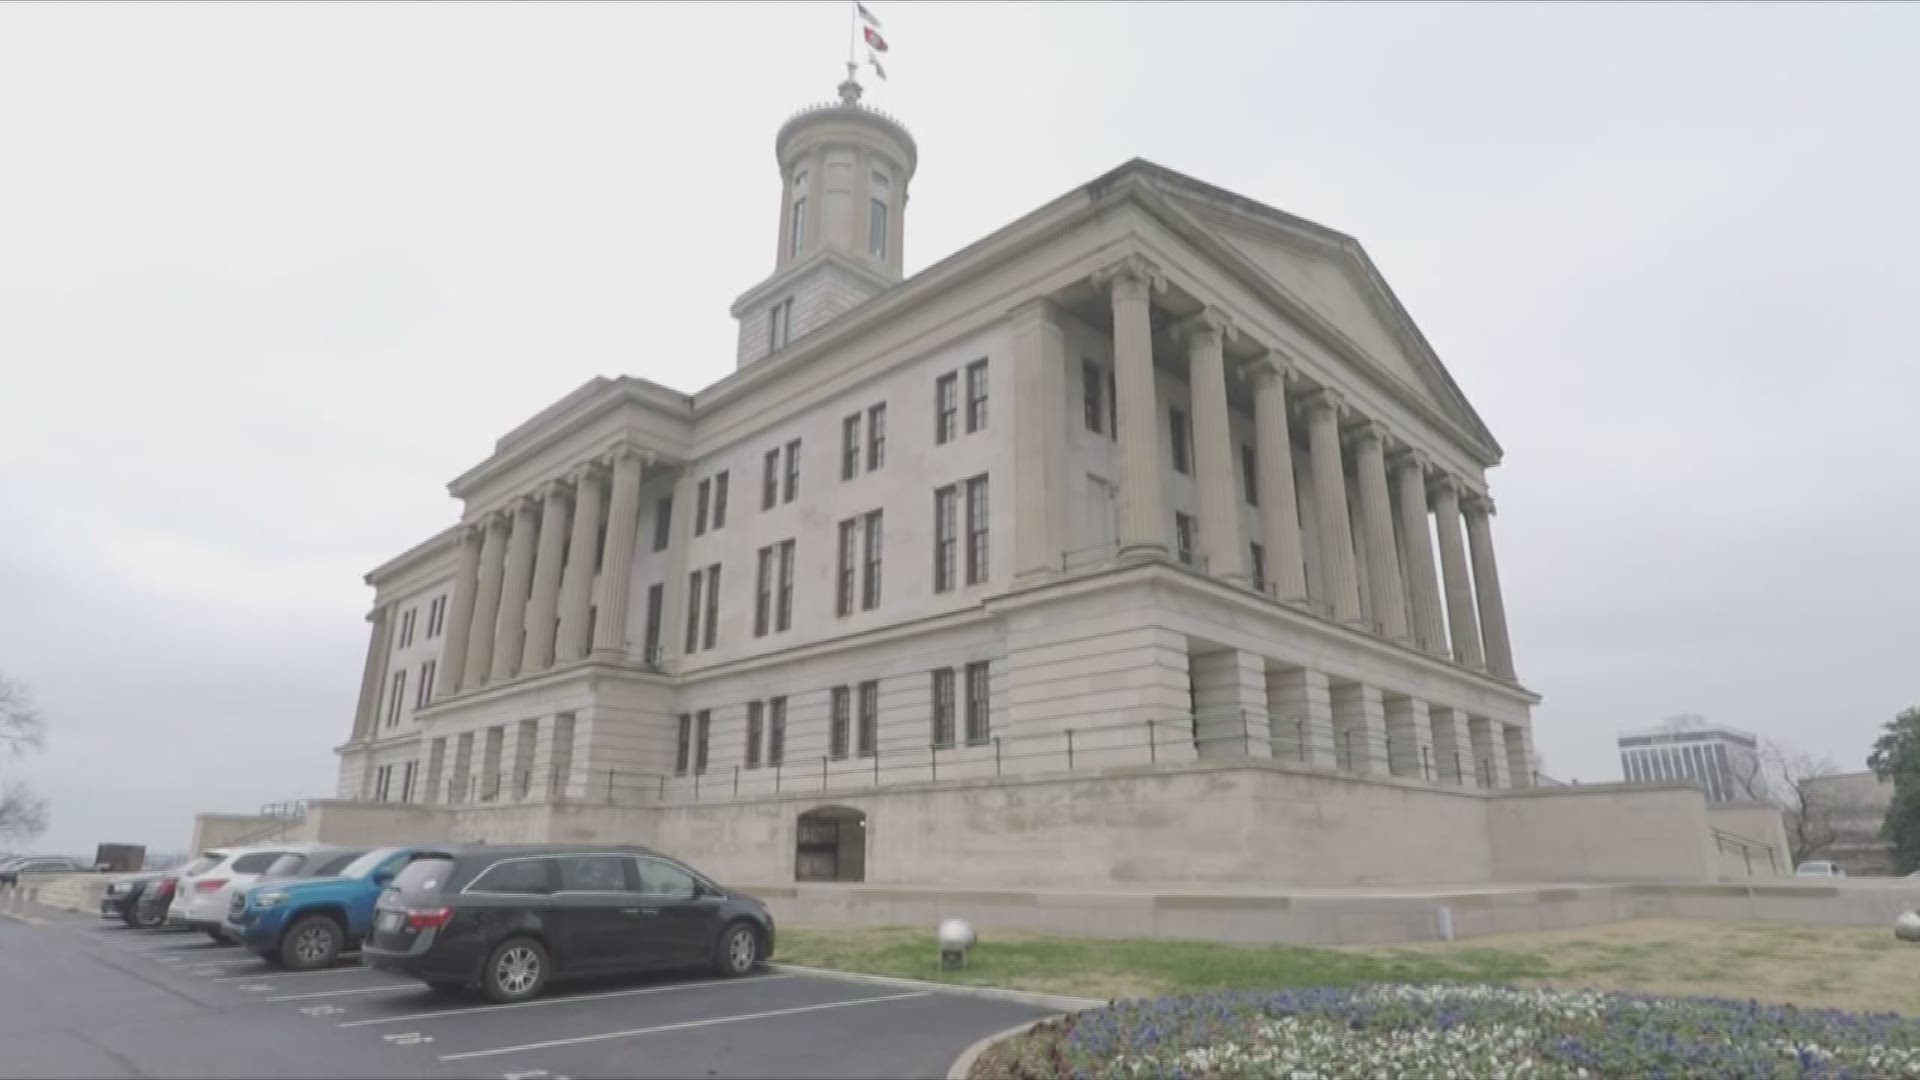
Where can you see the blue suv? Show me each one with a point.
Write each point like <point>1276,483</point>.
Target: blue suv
<point>306,923</point>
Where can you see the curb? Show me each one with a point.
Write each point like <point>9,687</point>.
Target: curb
<point>1057,1002</point>
<point>963,1065</point>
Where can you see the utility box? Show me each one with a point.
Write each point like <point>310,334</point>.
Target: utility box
<point>120,858</point>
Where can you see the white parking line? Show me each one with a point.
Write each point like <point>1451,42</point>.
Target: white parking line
<point>342,969</point>
<point>561,1000</point>
<point>684,1025</point>
<point>339,993</point>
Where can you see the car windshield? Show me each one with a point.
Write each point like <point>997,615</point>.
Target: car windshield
<point>365,864</point>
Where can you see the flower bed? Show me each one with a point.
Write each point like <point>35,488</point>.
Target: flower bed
<point>1456,1031</point>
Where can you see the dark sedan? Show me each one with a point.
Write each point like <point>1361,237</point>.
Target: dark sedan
<point>509,919</point>
<point>122,901</point>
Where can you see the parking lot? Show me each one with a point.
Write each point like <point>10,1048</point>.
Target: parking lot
<point>84,997</point>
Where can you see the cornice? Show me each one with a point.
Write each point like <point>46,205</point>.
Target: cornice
<point>554,426</point>
<point>415,557</point>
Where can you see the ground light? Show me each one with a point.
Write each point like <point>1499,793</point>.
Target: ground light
<point>956,939</point>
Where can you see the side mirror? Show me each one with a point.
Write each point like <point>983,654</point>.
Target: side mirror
<point>382,878</point>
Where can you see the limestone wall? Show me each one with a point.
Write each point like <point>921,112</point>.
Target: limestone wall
<point>1602,832</point>
<point>1758,822</point>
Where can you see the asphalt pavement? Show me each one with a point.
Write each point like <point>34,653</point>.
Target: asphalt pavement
<point>83,997</point>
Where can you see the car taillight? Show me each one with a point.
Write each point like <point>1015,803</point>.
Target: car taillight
<point>214,884</point>
<point>166,887</point>
<point>428,918</point>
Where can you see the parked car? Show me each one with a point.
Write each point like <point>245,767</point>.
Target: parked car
<point>39,864</point>
<point>306,923</point>
<point>122,900</point>
<point>509,919</point>
<point>1818,868</point>
<point>204,891</point>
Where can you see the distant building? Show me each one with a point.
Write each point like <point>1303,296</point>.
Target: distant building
<point>1852,807</point>
<point>1722,760</point>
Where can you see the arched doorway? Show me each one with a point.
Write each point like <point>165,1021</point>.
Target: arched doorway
<point>830,844</point>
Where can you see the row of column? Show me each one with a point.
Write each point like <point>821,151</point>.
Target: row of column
<point>509,586</point>
<point>1406,589</point>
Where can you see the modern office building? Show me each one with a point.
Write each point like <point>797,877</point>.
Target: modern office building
<point>1724,761</point>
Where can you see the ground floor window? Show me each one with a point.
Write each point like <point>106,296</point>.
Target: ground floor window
<point>830,844</point>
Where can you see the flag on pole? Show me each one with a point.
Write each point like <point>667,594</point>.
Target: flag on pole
<point>875,61</point>
<point>865,15</point>
<point>874,40</point>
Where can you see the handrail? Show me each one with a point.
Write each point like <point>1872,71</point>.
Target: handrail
<point>1745,846</point>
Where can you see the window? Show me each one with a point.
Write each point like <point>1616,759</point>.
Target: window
<point>662,523</point>
<point>837,724</point>
<point>1249,478</point>
<point>713,607</point>
<point>1177,426</point>
<point>977,530</point>
<point>979,727</point>
<point>763,592</point>
<point>869,718</point>
<point>843,580</point>
<point>693,611</point>
<point>702,731</point>
<point>515,877</point>
<point>870,584</point>
<point>436,616</point>
<point>425,692</point>
<point>381,777</point>
<point>877,229</point>
<point>1093,387</point>
<point>406,627</point>
<point>776,730</point>
<point>254,864</point>
<point>593,873</point>
<point>943,707</point>
<point>684,745</point>
<point>944,408</point>
<point>876,436</point>
<point>783,600</point>
<point>720,500</point>
<point>779,324</point>
<point>1185,530</point>
<point>798,235</point>
<point>793,472</point>
<point>398,699</point>
<point>406,781</point>
<point>976,396</point>
<point>703,496</point>
<point>945,540</point>
<point>770,480</point>
<point>850,447</point>
<point>656,603</point>
<point>661,878</point>
<point>756,720</point>
<point>1259,566</point>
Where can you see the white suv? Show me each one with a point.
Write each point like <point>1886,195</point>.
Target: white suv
<point>206,886</point>
<point>1819,868</point>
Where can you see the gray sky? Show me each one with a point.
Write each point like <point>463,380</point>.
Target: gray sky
<point>270,276</point>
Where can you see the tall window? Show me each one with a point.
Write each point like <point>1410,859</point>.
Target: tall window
<point>756,719</point>
<point>870,582</point>
<point>876,436</point>
<point>406,628</point>
<point>946,407</point>
<point>979,726</point>
<point>424,692</point>
<point>976,396</point>
<point>776,730</point>
<point>763,592</point>
<point>702,732</point>
<point>770,480</point>
<point>850,447</point>
<point>1093,387</point>
<point>783,600</point>
<point>1249,478</point>
<point>397,699</point>
<point>720,500</point>
<point>702,500</point>
<point>1177,427</point>
<point>877,218</point>
<point>662,522</point>
<point>797,233</point>
<point>793,472</point>
<point>843,575</point>
<point>693,611</point>
<point>945,536</point>
<point>406,781</point>
<point>713,606</point>
<point>869,718</point>
<point>943,707</point>
<point>977,530</point>
<point>684,745</point>
<point>838,716</point>
<point>656,603</point>
<point>1185,532</point>
<point>1259,566</point>
<point>436,614</point>
<point>779,324</point>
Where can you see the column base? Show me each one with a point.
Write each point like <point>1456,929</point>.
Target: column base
<point>1147,551</point>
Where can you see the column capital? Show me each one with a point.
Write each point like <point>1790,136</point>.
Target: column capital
<point>587,472</point>
<point>1271,367</point>
<point>559,487</point>
<point>1321,399</point>
<point>1407,457</point>
<point>1474,502</point>
<point>1133,275</point>
<point>497,518</point>
<point>1368,431</point>
<point>627,452</point>
<point>1444,485</point>
<point>1209,324</point>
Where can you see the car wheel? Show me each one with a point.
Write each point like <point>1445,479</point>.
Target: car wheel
<point>311,943</point>
<point>218,937</point>
<point>516,971</point>
<point>144,918</point>
<point>738,951</point>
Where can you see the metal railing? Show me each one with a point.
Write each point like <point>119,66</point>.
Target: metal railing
<point>285,816</point>
<point>1745,847</point>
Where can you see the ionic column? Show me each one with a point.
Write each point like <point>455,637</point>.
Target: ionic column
<point>453,653</point>
<point>1279,509</point>
<point>623,522</point>
<point>1223,533</point>
<point>486,603</point>
<point>1143,504</point>
<point>373,676</point>
<point>1042,493</point>
<point>510,627</point>
<point>576,586</point>
<point>545,602</point>
<point>1486,578</point>
<point>1330,503</point>
<point>1423,581</point>
<point>1376,512</point>
<point>1453,563</point>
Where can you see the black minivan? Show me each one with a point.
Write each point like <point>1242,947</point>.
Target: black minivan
<point>508,919</point>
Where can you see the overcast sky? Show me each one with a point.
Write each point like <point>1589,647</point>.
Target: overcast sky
<point>269,277</point>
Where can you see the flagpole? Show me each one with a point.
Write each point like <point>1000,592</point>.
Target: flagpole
<point>853,28</point>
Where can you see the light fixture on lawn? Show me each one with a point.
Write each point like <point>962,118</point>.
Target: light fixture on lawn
<point>956,939</point>
<point>1907,926</point>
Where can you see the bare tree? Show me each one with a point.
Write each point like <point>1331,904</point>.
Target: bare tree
<point>1812,808</point>
<point>22,813</point>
